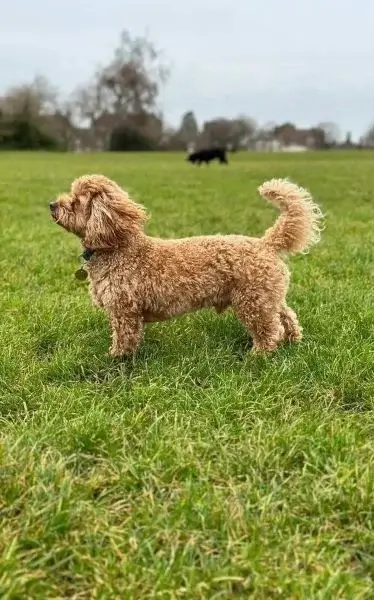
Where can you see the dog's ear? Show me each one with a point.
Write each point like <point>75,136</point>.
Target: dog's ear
<point>112,216</point>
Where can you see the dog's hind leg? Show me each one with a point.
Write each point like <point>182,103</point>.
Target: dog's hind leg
<point>263,320</point>
<point>292,329</point>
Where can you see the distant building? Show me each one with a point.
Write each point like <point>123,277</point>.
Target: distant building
<point>288,138</point>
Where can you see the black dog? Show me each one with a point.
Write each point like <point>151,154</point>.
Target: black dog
<point>207,155</point>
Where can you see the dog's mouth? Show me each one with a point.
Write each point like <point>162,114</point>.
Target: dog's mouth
<point>53,210</point>
<point>55,216</point>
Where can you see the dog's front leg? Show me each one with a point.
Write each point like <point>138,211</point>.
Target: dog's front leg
<point>127,332</point>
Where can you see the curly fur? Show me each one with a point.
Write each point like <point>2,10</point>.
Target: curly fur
<point>139,279</point>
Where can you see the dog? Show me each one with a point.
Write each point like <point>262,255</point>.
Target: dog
<point>207,155</point>
<point>139,279</point>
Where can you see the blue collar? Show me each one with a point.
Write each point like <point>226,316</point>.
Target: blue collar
<point>87,254</point>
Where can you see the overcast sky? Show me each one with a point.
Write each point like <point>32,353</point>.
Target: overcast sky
<point>275,60</point>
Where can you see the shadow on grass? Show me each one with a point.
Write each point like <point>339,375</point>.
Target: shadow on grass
<point>221,349</point>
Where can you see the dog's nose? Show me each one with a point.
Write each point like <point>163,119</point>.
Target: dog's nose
<point>52,205</point>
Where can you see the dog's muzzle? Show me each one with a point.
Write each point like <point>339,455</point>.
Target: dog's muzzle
<point>53,209</point>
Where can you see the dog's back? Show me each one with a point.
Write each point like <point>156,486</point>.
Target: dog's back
<point>207,155</point>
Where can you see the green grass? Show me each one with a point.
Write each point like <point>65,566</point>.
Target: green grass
<point>197,470</point>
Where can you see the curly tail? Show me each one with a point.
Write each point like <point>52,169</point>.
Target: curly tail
<point>299,226</point>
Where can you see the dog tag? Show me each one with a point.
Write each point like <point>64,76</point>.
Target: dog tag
<point>81,274</point>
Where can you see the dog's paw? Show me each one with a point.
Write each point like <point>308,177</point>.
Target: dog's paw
<point>264,349</point>
<point>294,337</point>
<point>116,352</point>
<point>261,351</point>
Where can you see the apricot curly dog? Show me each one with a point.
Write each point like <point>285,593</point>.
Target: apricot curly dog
<point>138,279</point>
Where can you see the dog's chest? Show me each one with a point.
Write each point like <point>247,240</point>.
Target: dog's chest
<point>102,288</point>
<point>100,293</point>
<point>107,288</point>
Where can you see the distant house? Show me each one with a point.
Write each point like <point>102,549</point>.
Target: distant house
<point>291,136</point>
<point>295,148</point>
<point>266,144</point>
<point>287,138</point>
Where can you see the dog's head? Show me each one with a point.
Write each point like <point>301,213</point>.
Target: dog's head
<point>99,212</point>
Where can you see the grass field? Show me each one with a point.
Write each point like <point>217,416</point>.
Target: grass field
<point>197,470</point>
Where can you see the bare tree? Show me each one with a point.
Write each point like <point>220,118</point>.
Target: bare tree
<point>368,138</point>
<point>60,125</point>
<point>286,134</point>
<point>88,101</point>
<point>30,100</point>
<point>331,132</point>
<point>216,132</point>
<point>124,89</point>
<point>134,76</point>
<point>188,130</point>
<point>242,130</point>
<point>31,116</point>
<point>233,133</point>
